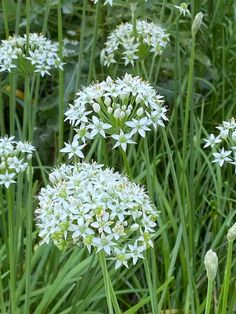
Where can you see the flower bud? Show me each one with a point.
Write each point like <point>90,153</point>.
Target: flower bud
<point>234,136</point>
<point>122,114</point>
<point>139,112</point>
<point>96,107</point>
<point>107,101</point>
<point>117,113</point>
<point>211,264</point>
<point>231,235</point>
<point>109,110</point>
<point>197,23</point>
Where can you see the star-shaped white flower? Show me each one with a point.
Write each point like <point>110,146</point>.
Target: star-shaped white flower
<point>122,140</point>
<point>98,127</point>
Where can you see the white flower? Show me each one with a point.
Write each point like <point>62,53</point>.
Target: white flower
<point>126,105</point>
<point>81,206</point>
<point>183,9</point>
<point>41,53</point>
<point>223,144</point>
<point>123,40</point>
<point>13,159</point>
<point>139,126</point>
<point>122,140</point>
<point>212,140</point>
<point>222,157</point>
<point>7,179</point>
<point>98,127</point>
<point>73,149</point>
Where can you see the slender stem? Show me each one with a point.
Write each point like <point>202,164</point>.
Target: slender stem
<point>94,41</point>
<point>3,309</point>
<point>61,83</point>
<point>12,82</point>
<point>126,164</point>
<point>35,106</point>
<point>148,168</point>
<point>209,295</point>
<point>18,12</point>
<point>103,265</point>
<point>81,46</point>
<point>28,239</point>
<point>46,15</point>
<point>11,237</point>
<point>152,291</point>
<point>4,8</point>
<point>226,282</point>
<point>2,121</point>
<point>26,117</point>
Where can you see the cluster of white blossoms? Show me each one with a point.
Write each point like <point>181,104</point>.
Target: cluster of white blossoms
<point>87,206</point>
<point>38,55</point>
<point>120,109</point>
<point>131,44</point>
<point>13,159</point>
<point>224,144</point>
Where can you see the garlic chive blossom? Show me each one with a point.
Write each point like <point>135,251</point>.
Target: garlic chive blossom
<point>41,56</point>
<point>118,109</point>
<point>89,206</point>
<point>125,43</point>
<point>224,143</point>
<point>13,159</point>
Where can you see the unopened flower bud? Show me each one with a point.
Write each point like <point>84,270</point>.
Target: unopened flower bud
<point>134,227</point>
<point>107,101</point>
<point>231,235</point>
<point>122,114</point>
<point>96,107</point>
<point>197,23</point>
<point>140,112</point>
<point>234,136</point>
<point>117,113</point>
<point>109,110</point>
<point>211,264</point>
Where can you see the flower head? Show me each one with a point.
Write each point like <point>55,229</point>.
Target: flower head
<point>224,143</point>
<point>134,44</point>
<point>13,159</point>
<point>39,55</point>
<point>118,109</point>
<point>97,208</point>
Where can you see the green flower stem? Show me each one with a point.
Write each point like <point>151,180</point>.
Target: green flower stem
<point>28,238</point>
<point>4,8</point>
<point>226,282</point>
<point>12,83</point>
<point>61,83</point>
<point>148,168</point>
<point>81,46</point>
<point>152,290</point>
<point>105,274</point>
<point>126,163</point>
<point>18,16</point>
<point>26,117</point>
<point>11,237</point>
<point>209,296</point>
<point>3,309</point>
<point>35,107</point>
<point>94,41</point>
<point>46,15</point>
<point>2,121</point>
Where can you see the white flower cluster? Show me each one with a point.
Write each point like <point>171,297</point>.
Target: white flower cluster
<point>13,159</point>
<point>134,43</point>
<point>227,137</point>
<point>99,209</point>
<point>41,55</point>
<point>119,109</point>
